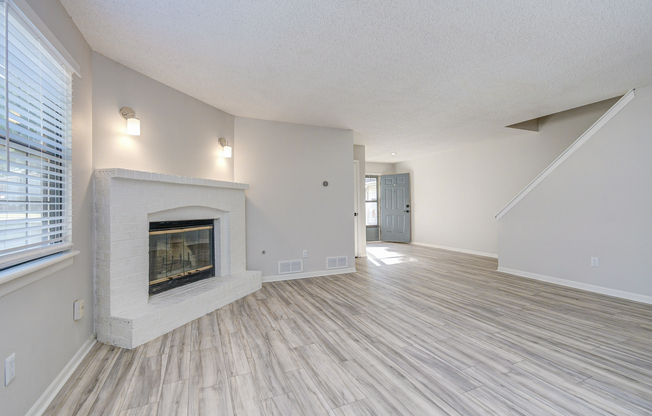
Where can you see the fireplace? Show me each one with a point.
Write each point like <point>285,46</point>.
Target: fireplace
<point>180,252</point>
<point>129,205</point>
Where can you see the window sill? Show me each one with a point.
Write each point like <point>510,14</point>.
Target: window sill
<point>22,275</point>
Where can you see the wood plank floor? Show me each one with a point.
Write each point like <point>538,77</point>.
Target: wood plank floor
<point>416,331</point>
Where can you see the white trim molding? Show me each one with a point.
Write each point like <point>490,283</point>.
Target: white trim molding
<point>53,389</point>
<point>19,276</point>
<point>51,41</point>
<point>459,250</point>
<point>578,285</point>
<point>615,109</point>
<point>294,276</point>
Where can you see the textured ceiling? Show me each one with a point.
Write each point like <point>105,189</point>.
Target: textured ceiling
<point>412,77</point>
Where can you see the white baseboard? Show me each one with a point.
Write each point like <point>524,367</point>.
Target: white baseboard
<point>53,389</point>
<point>293,276</point>
<point>577,285</point>
<point>460,250</point>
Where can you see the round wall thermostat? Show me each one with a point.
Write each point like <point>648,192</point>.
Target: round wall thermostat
<point>325,183</point>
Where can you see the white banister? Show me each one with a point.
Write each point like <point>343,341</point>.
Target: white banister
<point>571,149</point>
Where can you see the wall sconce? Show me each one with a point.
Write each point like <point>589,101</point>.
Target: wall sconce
<point>133,124</point>
<point>227,149</point>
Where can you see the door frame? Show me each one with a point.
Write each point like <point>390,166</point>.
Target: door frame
<point>356,205</point>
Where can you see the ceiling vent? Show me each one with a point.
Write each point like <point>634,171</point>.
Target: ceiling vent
<point>337,262</point>
<point>290,266</point>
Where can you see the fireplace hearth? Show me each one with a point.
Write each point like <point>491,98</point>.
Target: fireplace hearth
<point>180,252</point>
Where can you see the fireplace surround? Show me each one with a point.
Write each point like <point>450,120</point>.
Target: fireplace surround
<point>126,203</point>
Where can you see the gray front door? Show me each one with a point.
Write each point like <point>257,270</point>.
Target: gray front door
<point>395,208</point>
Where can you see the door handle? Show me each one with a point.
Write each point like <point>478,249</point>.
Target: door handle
<point>407,210</point>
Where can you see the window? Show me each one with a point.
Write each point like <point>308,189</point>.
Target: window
<point>35,143</point>
<point>371,200</point>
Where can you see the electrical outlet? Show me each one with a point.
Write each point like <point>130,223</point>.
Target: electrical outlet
<point>10,368</point>
<point>595,262</point>
<point>305,253</point>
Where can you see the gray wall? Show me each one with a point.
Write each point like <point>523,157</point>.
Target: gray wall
<point>36,321</point>
<point>598,203</point>
<point>376,168</point>
<point>288,209</point>
<point>179,134</point>
<point>373,233</point>
<point>456,194</point>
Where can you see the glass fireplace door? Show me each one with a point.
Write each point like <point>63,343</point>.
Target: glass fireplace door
<point>179,254</point>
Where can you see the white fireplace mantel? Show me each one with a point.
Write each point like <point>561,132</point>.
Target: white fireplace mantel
<point>159,177</point>
<point>125,202</point>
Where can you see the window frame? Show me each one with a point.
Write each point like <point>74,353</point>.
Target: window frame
<point>376,201</point>
<point>52,57</point>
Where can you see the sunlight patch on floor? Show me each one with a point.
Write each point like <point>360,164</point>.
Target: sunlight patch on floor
<point>386,256</point>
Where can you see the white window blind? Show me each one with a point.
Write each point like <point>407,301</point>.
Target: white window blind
<point>35,143</point>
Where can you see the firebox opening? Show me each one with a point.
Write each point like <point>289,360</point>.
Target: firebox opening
<point>180,252</point>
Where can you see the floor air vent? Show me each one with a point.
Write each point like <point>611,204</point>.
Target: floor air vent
<point>337,262</point>
<point>290,266</point>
